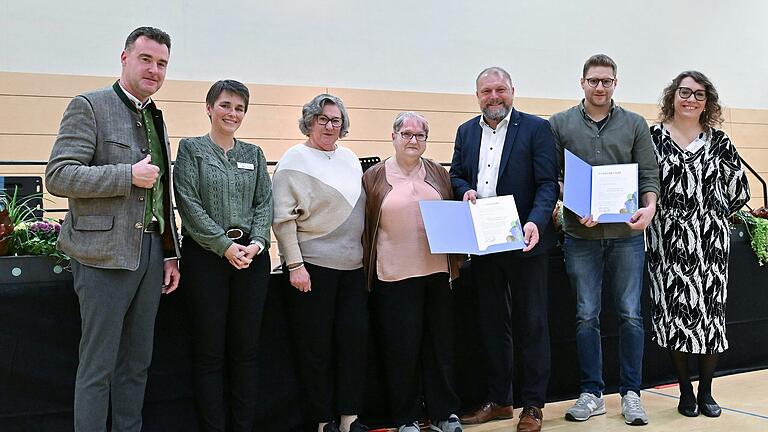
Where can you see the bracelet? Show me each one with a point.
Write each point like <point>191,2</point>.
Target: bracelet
<point>290,269</point>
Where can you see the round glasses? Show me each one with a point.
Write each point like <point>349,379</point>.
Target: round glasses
<point>420,137</point>
<point>335,122</point>
<point>685,93</point>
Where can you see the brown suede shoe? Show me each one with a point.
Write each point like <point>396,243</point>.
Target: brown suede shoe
<point>489,411</point>
<point>530,420</point>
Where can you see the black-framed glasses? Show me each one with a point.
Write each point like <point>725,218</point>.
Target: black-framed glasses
<point>335,122</point>
<point>685,93</point>
<point>420,137</point>
<point>607,82</point>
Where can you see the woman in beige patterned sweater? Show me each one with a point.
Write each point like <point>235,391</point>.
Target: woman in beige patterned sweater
<point>319,211</point>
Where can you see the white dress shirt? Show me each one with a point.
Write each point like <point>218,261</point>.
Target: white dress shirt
<point>139,105</point>
<point>491,147</point>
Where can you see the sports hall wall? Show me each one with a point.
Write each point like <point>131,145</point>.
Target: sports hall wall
<point>31,106</point>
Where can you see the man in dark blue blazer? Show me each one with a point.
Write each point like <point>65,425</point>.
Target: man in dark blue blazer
<point>507,152</point>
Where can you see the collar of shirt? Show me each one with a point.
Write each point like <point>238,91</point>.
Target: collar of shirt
<point>588,118</point>
<point>503,122</point>
<point>134,99</point>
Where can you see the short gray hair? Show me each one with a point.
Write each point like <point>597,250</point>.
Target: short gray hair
<point>405,115</point>
<point>494,70</point>
<point>314,108</point>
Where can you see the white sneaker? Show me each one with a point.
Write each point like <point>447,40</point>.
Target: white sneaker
<point>451,424</point>
<point>586,406</point>
<point>413,427</point>
<point>632,409</point>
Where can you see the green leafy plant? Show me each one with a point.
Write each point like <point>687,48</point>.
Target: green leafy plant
<point>18,209</point>
<point>28,234</point>
<point>758,233</point>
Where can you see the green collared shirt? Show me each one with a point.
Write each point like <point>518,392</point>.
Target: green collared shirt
<point>216,191</point>
<point>623,138</point>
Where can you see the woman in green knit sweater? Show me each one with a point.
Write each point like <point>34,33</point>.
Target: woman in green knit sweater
<point>224,196</point>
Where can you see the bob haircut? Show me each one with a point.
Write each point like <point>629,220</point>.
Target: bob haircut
<point>314,108</point>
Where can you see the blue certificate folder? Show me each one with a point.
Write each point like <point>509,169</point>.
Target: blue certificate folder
<point>577,192</point>
<point>450,229</point>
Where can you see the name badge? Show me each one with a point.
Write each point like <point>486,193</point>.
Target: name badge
<point>243,165</point>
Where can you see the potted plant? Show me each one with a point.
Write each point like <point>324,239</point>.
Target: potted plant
<point>756,224</point>
<point>28,250</point>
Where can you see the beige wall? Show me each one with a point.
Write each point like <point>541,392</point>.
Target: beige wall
<point>31,106</point>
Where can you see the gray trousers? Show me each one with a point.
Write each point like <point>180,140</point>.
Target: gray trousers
<point>118,309</point>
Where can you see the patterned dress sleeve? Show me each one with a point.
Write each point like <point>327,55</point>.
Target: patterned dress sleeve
<point>733,175</point>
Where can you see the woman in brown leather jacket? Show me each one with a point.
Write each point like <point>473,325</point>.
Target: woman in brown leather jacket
<point>412,304</point>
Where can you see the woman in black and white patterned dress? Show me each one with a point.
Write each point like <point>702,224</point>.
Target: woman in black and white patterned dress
<point>702,183</point>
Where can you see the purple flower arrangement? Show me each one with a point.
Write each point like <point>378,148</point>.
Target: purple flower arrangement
<point>37,238</point>
<point>23,232</point>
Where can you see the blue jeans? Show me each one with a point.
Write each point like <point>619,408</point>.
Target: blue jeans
<point>620,263</point>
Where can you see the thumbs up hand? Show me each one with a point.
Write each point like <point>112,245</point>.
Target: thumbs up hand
<point>144,174</point>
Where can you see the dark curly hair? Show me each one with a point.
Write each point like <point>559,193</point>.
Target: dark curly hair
<point>713,113</point>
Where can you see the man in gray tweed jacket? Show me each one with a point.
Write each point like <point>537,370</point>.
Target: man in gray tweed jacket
<point>112,161</point>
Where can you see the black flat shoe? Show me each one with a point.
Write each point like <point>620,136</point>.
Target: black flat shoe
<point>357,426</point>
<point>710,410</point>
<point>688,410</point>
<point>331,427</point>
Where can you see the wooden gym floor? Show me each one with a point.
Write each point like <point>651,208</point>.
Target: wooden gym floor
<point>743,398</point>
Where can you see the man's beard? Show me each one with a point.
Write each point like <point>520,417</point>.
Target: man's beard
<point>496,114</point>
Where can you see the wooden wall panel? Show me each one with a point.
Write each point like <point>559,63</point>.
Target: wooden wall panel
<point>738,115</point>
<point>35,115</point>
<point>31,106</point>
<point>25,147</point>
<point>749,135</point>
<point>67,86</point>
<point>405,101</point>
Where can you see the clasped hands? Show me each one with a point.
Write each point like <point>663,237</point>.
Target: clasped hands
<point>241,256</point>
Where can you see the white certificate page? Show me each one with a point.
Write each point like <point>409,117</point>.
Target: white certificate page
<point>614,189</point>
<point>495,221</point>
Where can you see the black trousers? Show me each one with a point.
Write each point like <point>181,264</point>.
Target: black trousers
<point>225,306</point>
<point>512,297</point>
<point>329,325</point>
<point>413,321</point>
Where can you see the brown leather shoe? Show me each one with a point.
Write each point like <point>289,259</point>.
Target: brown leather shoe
<point>530,420</point>
<point>487,412</point>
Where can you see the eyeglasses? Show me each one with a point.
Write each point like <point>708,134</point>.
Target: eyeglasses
<point>335,122</point>
<point>685,93</point>
<point>593,82</point>
<point>420,137</point>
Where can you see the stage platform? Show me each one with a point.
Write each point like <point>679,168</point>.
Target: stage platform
<point>40,330</point>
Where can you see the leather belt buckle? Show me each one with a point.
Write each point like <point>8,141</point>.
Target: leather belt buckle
<point>235,233</point>
<point>153,226</point>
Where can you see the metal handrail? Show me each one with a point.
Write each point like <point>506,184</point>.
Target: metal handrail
<point>273,163</point>
<point>44,163</point>
<point>760,179</point>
